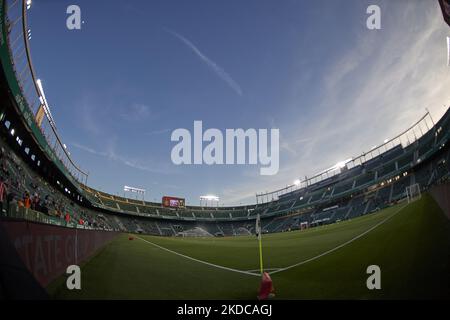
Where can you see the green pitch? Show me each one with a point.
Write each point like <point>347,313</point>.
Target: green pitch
<point>410,243</point>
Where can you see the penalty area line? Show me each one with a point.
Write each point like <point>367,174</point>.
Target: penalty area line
<point>341,245</point>
<point>200,261</point>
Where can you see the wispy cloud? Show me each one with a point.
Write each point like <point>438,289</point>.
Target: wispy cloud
<point>87,119</point>
<point>132,163</point>
<point>371,92</point>
<point>218,70</point>
<point>137,112</point>
<point>157,132</point>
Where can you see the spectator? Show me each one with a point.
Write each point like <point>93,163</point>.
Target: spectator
<point>3,197</point>
<point>11,196</point>
<point>35,202</point>
<point>27,200</point>
<point>45,204</point>
<point>67,218</point>
<point>4,169</point>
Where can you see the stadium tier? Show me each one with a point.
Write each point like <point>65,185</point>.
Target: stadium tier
<point>363,189</point>
<point>36,168</point>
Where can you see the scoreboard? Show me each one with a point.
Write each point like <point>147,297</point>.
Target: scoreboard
<point>173,202</point>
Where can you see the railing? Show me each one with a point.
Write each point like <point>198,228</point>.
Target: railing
<point>22,213</point>
<point>36,109</point>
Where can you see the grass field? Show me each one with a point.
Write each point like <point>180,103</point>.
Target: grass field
<point>410,243</point>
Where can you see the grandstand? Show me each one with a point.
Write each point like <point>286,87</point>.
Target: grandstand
<point>368,187</point>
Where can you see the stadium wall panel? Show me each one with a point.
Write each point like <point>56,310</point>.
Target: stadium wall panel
<point>48,250</point>
<point>441,194</point>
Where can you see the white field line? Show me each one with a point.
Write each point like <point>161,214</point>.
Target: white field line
<point>339,246</point>
<point>200,261</point>
<point>276,270</point>
<point>259,270</point>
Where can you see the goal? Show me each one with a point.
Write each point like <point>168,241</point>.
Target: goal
<point>413,192</point>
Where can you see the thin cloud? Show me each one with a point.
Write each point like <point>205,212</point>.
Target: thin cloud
<point>157,132</point>
<point>218,70</point>
<point>112,155</point>
<point>137,112</point>
<point>405,75</point>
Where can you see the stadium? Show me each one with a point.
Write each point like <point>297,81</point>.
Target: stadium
<point>387,207</point>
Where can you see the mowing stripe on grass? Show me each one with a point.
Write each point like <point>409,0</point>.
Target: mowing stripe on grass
<point>200,261</point>
<point>339,246</point>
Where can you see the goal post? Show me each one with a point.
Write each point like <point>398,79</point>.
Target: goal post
<point>413,192</point>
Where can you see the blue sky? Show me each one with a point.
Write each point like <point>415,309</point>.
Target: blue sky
<point>137,70</point>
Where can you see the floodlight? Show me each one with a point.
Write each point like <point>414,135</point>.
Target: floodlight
<point>341,164</point>
<point>210,197</point>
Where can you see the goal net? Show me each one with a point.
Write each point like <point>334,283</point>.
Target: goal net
<point>413,192</point>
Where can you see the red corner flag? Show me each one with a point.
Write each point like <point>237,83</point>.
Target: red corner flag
<point>266,290</point>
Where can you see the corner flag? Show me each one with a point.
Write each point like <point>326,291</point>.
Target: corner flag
<point>258,226</point>
<point>266,289</point>
<point>258,233</point>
